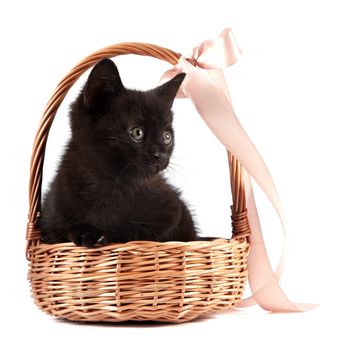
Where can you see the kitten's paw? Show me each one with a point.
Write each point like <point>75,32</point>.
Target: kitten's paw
<point>90,240</point>
<point>87,237</point>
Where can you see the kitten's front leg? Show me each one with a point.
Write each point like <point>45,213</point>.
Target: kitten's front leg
<point>86,236</point>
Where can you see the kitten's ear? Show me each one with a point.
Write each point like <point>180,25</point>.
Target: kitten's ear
<point>103,84</point>
<point>169,89</point>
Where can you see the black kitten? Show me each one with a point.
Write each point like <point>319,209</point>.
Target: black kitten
<point>109,186</point>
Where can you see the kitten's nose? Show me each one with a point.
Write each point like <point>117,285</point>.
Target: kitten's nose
<point>159,156</point>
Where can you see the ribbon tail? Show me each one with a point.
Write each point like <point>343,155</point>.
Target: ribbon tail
<point>262,280</point>
<point>255,227</point>
<point>213,104</point>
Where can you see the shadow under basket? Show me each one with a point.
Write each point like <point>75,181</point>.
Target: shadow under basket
<point>141,280</point>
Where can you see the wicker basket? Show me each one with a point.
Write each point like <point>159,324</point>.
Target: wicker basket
<point>171,281</point>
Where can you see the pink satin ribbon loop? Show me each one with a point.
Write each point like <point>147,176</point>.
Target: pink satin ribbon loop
<point>217,53</point>
<point>205,85</point>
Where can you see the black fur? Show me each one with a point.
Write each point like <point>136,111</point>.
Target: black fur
<point>109,187</point>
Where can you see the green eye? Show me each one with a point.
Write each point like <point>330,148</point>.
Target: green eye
<point>167,138</point>
<point>137,134</point>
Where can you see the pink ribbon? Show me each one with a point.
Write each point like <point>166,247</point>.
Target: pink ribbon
<point>205,85</point>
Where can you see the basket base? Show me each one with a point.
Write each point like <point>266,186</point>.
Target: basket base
<point>139,281</point>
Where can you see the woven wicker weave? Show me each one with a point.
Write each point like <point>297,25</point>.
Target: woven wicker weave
<point>171,281</point>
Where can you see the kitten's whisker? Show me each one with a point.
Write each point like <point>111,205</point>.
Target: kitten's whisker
<point>168,172</point>
<point>171,168</point>
<point>176,164</point>
<point>171,171</point>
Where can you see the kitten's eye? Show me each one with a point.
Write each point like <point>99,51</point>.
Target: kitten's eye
<point>167,138</point>
<point>137,134</point>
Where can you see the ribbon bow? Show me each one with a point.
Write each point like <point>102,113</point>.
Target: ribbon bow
<point>205,85</point>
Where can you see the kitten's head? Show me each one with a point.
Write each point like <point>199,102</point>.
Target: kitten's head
<point>125,129</point>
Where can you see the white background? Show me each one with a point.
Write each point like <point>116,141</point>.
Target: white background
<point>290,90</point>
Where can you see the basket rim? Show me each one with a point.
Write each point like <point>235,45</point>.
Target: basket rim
<point>201,243</point>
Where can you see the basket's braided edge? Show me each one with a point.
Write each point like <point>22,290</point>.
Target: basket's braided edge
<point>37,160</point>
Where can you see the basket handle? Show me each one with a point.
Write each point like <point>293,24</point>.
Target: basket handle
<point>36,167</point>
